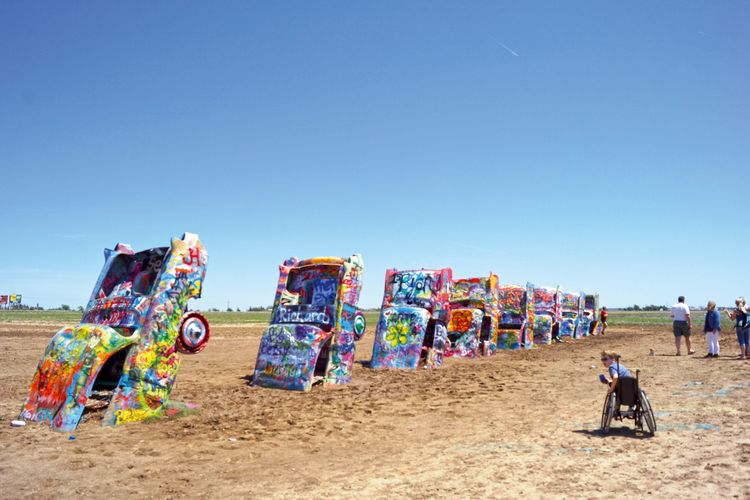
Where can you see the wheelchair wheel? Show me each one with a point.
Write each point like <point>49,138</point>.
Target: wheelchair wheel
<point>648,413</point>
<point>608,412</point>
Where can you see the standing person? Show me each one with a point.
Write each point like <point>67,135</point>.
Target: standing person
<point>603,316</point>
<point>712,328</point>
<point>681,324</point>
<point>739,315</point>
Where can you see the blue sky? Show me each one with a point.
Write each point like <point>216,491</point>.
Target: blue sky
<point>596,145</point>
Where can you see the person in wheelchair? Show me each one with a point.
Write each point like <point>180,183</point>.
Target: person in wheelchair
<point>623,391</point>
<point>616,370</point>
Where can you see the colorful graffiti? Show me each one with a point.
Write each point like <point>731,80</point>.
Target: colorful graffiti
<point>400,335</point>
<point>570,313</point>
<point>125,346</point>
<point>413,319</point>
<point>546,310</point>
<point>474,317</point>
<point>314,325</point>
<point>589,320</point>
<point>463,333</point>
<point>512,318</point>
<point>287,356</point>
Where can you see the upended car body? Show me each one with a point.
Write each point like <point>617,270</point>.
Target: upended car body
<point>314,325</point>
<point>473,325</point>
<point>515,314</point>
<point>546,304</point>
<point>589,321</point>
<point>124,353</point>
<point>570,314</point>
<point>412,328</point>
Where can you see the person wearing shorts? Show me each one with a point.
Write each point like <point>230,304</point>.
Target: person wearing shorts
<point>603,316</point>
<point>681,325</point>
<point>739,315</point>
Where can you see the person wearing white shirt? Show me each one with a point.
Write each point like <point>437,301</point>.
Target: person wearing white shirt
<point>681,324</point>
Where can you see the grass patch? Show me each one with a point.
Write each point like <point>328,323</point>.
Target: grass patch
<point>36,316</point>
<point>643,318</point>
<point>621,318</point>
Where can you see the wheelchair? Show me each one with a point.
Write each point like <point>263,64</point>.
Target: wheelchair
<point>628,394</point>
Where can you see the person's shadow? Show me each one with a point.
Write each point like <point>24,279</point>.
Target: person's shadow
<point>627,432</point>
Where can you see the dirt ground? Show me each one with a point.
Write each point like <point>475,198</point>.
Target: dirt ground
<point>521,423</point>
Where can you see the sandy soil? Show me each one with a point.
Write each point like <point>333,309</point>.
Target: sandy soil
<point>520,423</point>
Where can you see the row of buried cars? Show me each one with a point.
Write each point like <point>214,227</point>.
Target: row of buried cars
<point>425,317</point>
<point>123,357</point>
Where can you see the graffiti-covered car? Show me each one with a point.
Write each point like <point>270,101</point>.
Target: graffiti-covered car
<point>412,328</point>
<point>515,313</point>
<point>123,356</point>
<point>473,325</point>
<point>546,305</point>
<point>570,313</point>
<point>589,320</point>
<point>314,325</point>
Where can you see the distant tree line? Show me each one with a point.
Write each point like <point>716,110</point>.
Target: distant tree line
<point>249,309</point>
<point>61,307</point>
<point>21,307</point>
<point>650,307</point>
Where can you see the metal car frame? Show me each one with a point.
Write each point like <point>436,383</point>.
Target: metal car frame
<point>474,317</point>
<point>589,320</point>
<point>412,328</point>
<point>124,354</point>
<point>314,325</point>
<point>570,314</point>
<point>546,313</point>
<point>515,318</point>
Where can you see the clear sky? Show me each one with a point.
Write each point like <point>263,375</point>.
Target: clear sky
<point>601,146</point>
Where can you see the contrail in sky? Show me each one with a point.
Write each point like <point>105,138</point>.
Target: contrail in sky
<point>508,49</point>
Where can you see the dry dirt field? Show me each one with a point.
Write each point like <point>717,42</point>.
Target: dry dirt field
<point>520,423</point>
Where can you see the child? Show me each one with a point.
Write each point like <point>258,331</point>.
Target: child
<point>603,316</point>
<point>617,370</point>
<point>739,315</point>
<point>712,328</point>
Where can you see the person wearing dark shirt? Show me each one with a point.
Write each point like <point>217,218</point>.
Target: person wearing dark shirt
<point>712,329</point>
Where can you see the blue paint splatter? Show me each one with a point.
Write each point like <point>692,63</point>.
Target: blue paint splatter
<point>689,427</point>
<point>725,391</point>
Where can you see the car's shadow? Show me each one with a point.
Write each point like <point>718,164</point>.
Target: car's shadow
<point>627,432</point>
<point>248,379</point>
<point>364,363</point>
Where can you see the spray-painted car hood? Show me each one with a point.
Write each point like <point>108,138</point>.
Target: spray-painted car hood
<point>463,332</point>
<point>66,373</point>
<point>400,346</point>
<point>287,356</point>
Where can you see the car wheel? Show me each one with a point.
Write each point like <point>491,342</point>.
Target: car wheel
<point>359,325</point>
<point>194,333</point>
